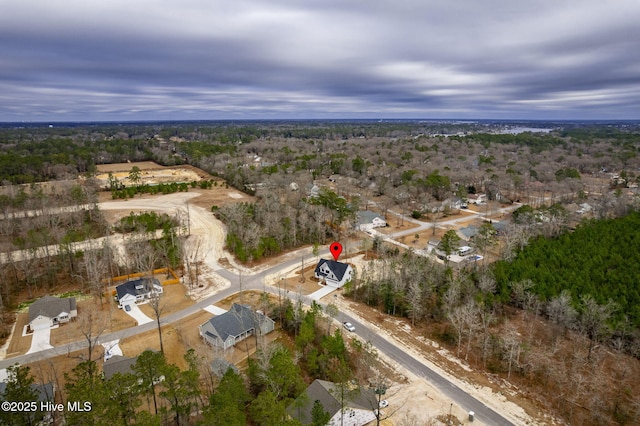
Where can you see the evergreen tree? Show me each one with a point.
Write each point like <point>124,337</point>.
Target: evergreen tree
<point>228,403</point>
<point>20,388</point>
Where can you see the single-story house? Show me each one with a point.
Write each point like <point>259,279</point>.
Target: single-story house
<point>477,198</point>
<point>45,393</point>
<point>360,404</point>
<point>367,220</point>
<point>500,227</point>
<point>219,367</point>
<point>50,310</point>
<point>456,203</point>
<point>136,291</point>
<point>235,325</point>
<point>468,232</point>
<point>118,364</point>
<point>333,273</point>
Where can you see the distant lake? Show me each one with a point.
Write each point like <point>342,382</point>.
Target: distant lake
<point>516,130</point>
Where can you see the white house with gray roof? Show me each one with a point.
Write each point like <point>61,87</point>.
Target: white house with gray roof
<point>137,291</point>
<point>333,273</point>
<point>50,311</point>
<point>367,220</point>
<point>235,325</point>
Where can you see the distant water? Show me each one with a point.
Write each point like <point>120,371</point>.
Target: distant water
<point>517,130</point>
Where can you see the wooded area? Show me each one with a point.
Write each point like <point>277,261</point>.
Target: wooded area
<point>558,315</point>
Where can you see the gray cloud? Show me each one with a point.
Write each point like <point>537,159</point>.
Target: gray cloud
<point>80,60</point>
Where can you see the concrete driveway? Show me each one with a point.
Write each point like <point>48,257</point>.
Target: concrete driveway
<point>319,294</point>
<point>40,340</point>
<point>214,310</point>
<point>136,314</point>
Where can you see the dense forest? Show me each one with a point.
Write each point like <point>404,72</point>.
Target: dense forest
<point>600,258</point>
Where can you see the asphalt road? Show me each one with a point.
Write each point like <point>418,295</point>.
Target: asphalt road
<point>468,403</point>
<point>256,282</point>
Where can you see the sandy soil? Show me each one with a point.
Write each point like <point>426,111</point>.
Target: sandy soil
<point>208,244</point>
<point>205,246</point>
<point>174,299</point>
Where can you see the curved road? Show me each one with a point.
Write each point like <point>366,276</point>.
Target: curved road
<point>255,281</point>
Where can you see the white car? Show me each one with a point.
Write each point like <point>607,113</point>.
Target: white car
<point>348,326</point>
<point>384,403</point>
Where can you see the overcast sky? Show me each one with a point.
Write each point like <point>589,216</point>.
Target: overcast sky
<point>84,60</point>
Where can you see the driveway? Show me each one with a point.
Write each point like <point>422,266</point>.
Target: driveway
<point>136,314</point>
<point>319,294</point>
<point>215,310</point>
<point>40,340</point>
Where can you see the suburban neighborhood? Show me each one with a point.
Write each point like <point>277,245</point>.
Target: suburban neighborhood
<point>304,285</point>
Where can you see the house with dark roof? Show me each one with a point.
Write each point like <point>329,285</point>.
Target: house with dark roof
<point>118,364</point>
<point>359,404</point>
<point>219,367</point>
<point>333,273</point>
<point>137,291</point>
<point>367,220</point>
<point>44,392</point>
<point>235,325</point>
<point>50,311</point>
<point>468,232</point>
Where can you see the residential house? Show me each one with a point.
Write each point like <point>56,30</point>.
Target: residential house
<point>359,404</point>
<point>220,366</point>
<point>333,273</point>
<point>235,325</point>
<point>45,393</point>
<point>455,203</point>
<point>118,364</point>
<point>137,291</point>
<point>367,220</point>
<point>468,232</point>
<point>49,311</point>
<point>477,199</point>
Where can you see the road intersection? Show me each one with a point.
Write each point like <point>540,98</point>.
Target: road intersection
<point>211,244</point>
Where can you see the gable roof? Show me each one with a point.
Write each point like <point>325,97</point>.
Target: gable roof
<point>136,287</point>
<point>238,320</point>
<point>338,268</point>
<point>219,367</point>
<point>51,307</point>
<point>367,216</point>
<point>327,393</point>
<point>469,231</point>
<point>118,364</point>
<point>45,392</point>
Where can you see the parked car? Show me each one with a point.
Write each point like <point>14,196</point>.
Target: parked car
<point>384,403</point>
<point>348,326</point>
<point>127,308</point>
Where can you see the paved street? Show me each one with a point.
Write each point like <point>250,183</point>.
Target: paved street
<point>256,281</point>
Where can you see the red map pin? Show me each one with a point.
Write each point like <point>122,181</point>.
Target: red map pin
<point>335,248</point>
